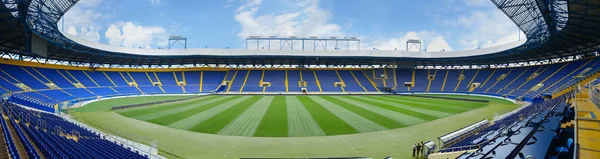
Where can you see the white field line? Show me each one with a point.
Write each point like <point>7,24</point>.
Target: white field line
<point>232,146</point>
<point>435,103</point>
<point>413,108</point>
<point>160,114</point>
<point>396,116</point>
<point>348,144</point>
<point>358,122</point>
<point>300,122</point>
<point>247,123</point>
<point>191,121</point>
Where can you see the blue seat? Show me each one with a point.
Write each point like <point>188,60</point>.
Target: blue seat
<point>565,149</point>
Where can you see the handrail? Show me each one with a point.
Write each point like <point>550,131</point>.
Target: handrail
<point>129,136</point>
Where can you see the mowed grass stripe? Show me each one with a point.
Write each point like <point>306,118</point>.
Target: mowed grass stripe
<point>452,106</point>
<point>430,111</point>
<point>275,121</point>
<point>398,109</point>
<point>247,122</point>
<point>329,123</point>
<point>300,122</point>
<point>358,122</point>
<point>132,112</point>
<point>404,119</point>
<point>219,121</point>
<point>179,109</point>
<point>439,101</point>
<point>170,117</point>
<point>189,122</point>
<point>379,119</point>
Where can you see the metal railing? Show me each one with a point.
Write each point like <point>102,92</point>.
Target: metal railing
<point>164,150</point>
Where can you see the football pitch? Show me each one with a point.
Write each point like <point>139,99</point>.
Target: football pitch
<point>291,126</point>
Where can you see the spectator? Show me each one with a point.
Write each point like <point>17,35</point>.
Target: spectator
<point>422,148</point>
<point>418,149</point>
<point>414,148</point>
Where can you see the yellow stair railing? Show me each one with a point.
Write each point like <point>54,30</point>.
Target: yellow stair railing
<point>317,81</point>
<point>245,80</point>
<point>356,79</point>
<point>158,79</point>
<point>526,81</point>
<point>90,91</point>
<point>88,76</point>
<point>32,75</point>
<point>567,75</point>
<point>147,75</point>
<point>132,79</point>
<point>138,88</point>
<point>286,81</point>
<point>370,81</point>
<point>444,84</point>
<point>162,89</point>
<point>202,79</point>
<point>63,75</point>
<point>33,68</point>
<point>175,76</point>
<point>183,76</point>
<point>341,80</point>
<point>558,70</point>
<point>114,90</point>
<point>69,73</point>
<point>429,73</point>
<point>413,78</point>
<point>232,79</point>
<point>497,80</point>
<point>111,81</point>
<point>262,77</point>
<point>395,80</point>
<point>384,82</point>
<point>488,78</point>
<point>459,80</point>
<point>124,77</point>
<point>66,92</point>
<point>519,76</point>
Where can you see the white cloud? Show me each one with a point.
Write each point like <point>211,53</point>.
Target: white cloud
<point>131,35</point>
<point>478,3</point>
<point>306,20</point>
<point>431,41</point>
<point>484,27</point>
<point>81,20</point>
<point>155,2</point>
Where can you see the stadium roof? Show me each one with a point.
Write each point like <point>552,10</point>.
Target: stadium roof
<point>557,30</point>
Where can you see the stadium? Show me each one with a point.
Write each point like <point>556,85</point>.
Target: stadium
<point>65,97</point>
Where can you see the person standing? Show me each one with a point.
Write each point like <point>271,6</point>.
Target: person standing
<point>422,148</point>
<point>418,149</point>
<point>414,148</point>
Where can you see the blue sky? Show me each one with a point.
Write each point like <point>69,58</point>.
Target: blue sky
<point>382,24</point>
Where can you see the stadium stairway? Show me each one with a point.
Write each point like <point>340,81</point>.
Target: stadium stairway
<point>588,122</point>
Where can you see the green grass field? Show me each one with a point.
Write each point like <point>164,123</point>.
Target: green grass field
<point>265,126</point>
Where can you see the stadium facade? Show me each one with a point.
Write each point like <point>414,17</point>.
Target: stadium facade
<point>42,68</point>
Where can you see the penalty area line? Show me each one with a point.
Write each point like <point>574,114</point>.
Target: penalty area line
<point>232,146</point>
<point>348,144</point>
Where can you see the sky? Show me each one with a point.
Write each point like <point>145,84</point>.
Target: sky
<point>383,24</point>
